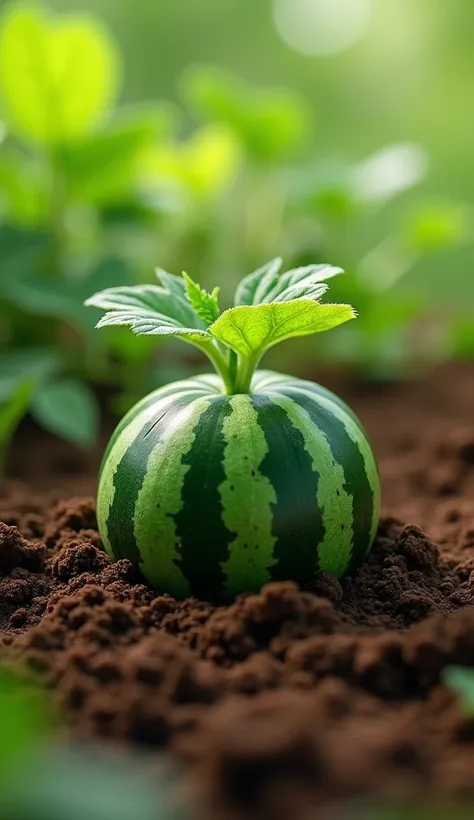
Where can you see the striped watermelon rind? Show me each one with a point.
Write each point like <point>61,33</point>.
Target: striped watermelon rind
<point>213,495</point>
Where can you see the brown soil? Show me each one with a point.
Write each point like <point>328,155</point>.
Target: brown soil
<point>288,698</point>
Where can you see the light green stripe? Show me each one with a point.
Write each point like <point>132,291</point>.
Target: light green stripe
<point>247,498</point>
<point>355,434</point>
<point>334,551</point>
<point>106,491</point>
<point>264,379</point>
<point>160,498</point>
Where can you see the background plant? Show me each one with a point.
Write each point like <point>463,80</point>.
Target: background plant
<point>95,193</point>
<point>44,779</point>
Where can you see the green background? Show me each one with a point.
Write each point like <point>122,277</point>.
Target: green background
<point>410,77</point>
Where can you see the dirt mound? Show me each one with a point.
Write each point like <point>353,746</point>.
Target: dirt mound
<point>286,698</point>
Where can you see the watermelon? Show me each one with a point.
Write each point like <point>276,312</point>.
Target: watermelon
<point>218,484</point>
<point>213,495</point>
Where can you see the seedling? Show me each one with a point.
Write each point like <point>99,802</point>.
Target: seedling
<point>217,484</point>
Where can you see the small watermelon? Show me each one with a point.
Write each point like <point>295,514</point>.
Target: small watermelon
<point>213,492</point>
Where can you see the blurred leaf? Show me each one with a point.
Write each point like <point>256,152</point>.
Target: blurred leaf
<point>64,299</point>
<point>213,93</point>
<point>277,126</point>
<point>84,783</point>
<point>461,338</point>
<point>390,171</point>
<point>325,187</point>
<point>250,330</point>
<point>379,318</point>
<point>11,413</point>
<point>204,166</point>
<point>69,409</point>
<point>22,188</point>
<point>337,189</point>
<point>58,74</point>
<point>436,226</point>
<point>131,350</point>
<point>25,719</point>
<point>106,273</point>
<point>106,167</point>
<point>46,297</point>
<point>461,681</point>
<point>379,343</point>
<point>26,364</point>
<point>271,123</point>
<point>21,251</point>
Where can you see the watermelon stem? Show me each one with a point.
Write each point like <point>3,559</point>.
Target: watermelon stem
<point>221,365</point>
<point>245,369</point>
<point>236,371</point>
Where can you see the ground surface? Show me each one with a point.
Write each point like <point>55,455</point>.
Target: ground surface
<point>285,698</point>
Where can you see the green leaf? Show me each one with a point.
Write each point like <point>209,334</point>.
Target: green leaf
<point>68,408</point>
<point>109,271</point>
<point>149,310</point>
<point>23,193</point>
<point>106,166</point>
<point>251,286</point>
<point>25,719</point>
<point>461,681</point>
<point>270,122</point>
<point>11,413</point>
<point>265,285</point>
<point>171,283</point>
<point>201,167</point>
<point>205,305</point>
<point>21,251</point>
<point>250,330</point>
<point>436,226</point>
<point>302,283</point>
<point>46,297</point>
<point>58,74</point>
<point>81,782</point>
<point>460,341</point>
<point>325,188</point>
<point>64,299</point>
<point>26,364</point>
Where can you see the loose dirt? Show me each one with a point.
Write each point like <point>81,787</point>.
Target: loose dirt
<point>290,698</point>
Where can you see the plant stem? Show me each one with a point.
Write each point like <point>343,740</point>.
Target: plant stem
<point>221,365</point>
<point>245,369</point>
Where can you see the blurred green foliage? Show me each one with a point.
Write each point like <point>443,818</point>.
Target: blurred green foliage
<point>95,194</point>
<point>460,680</point>
<point>44,779</point>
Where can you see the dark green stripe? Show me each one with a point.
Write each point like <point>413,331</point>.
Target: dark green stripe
<point>319,390</point>
<point>199,525</point>
<point>129,478</point>
<point>348,455</point>
<point>297,520</point>
<point>142,405</point>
